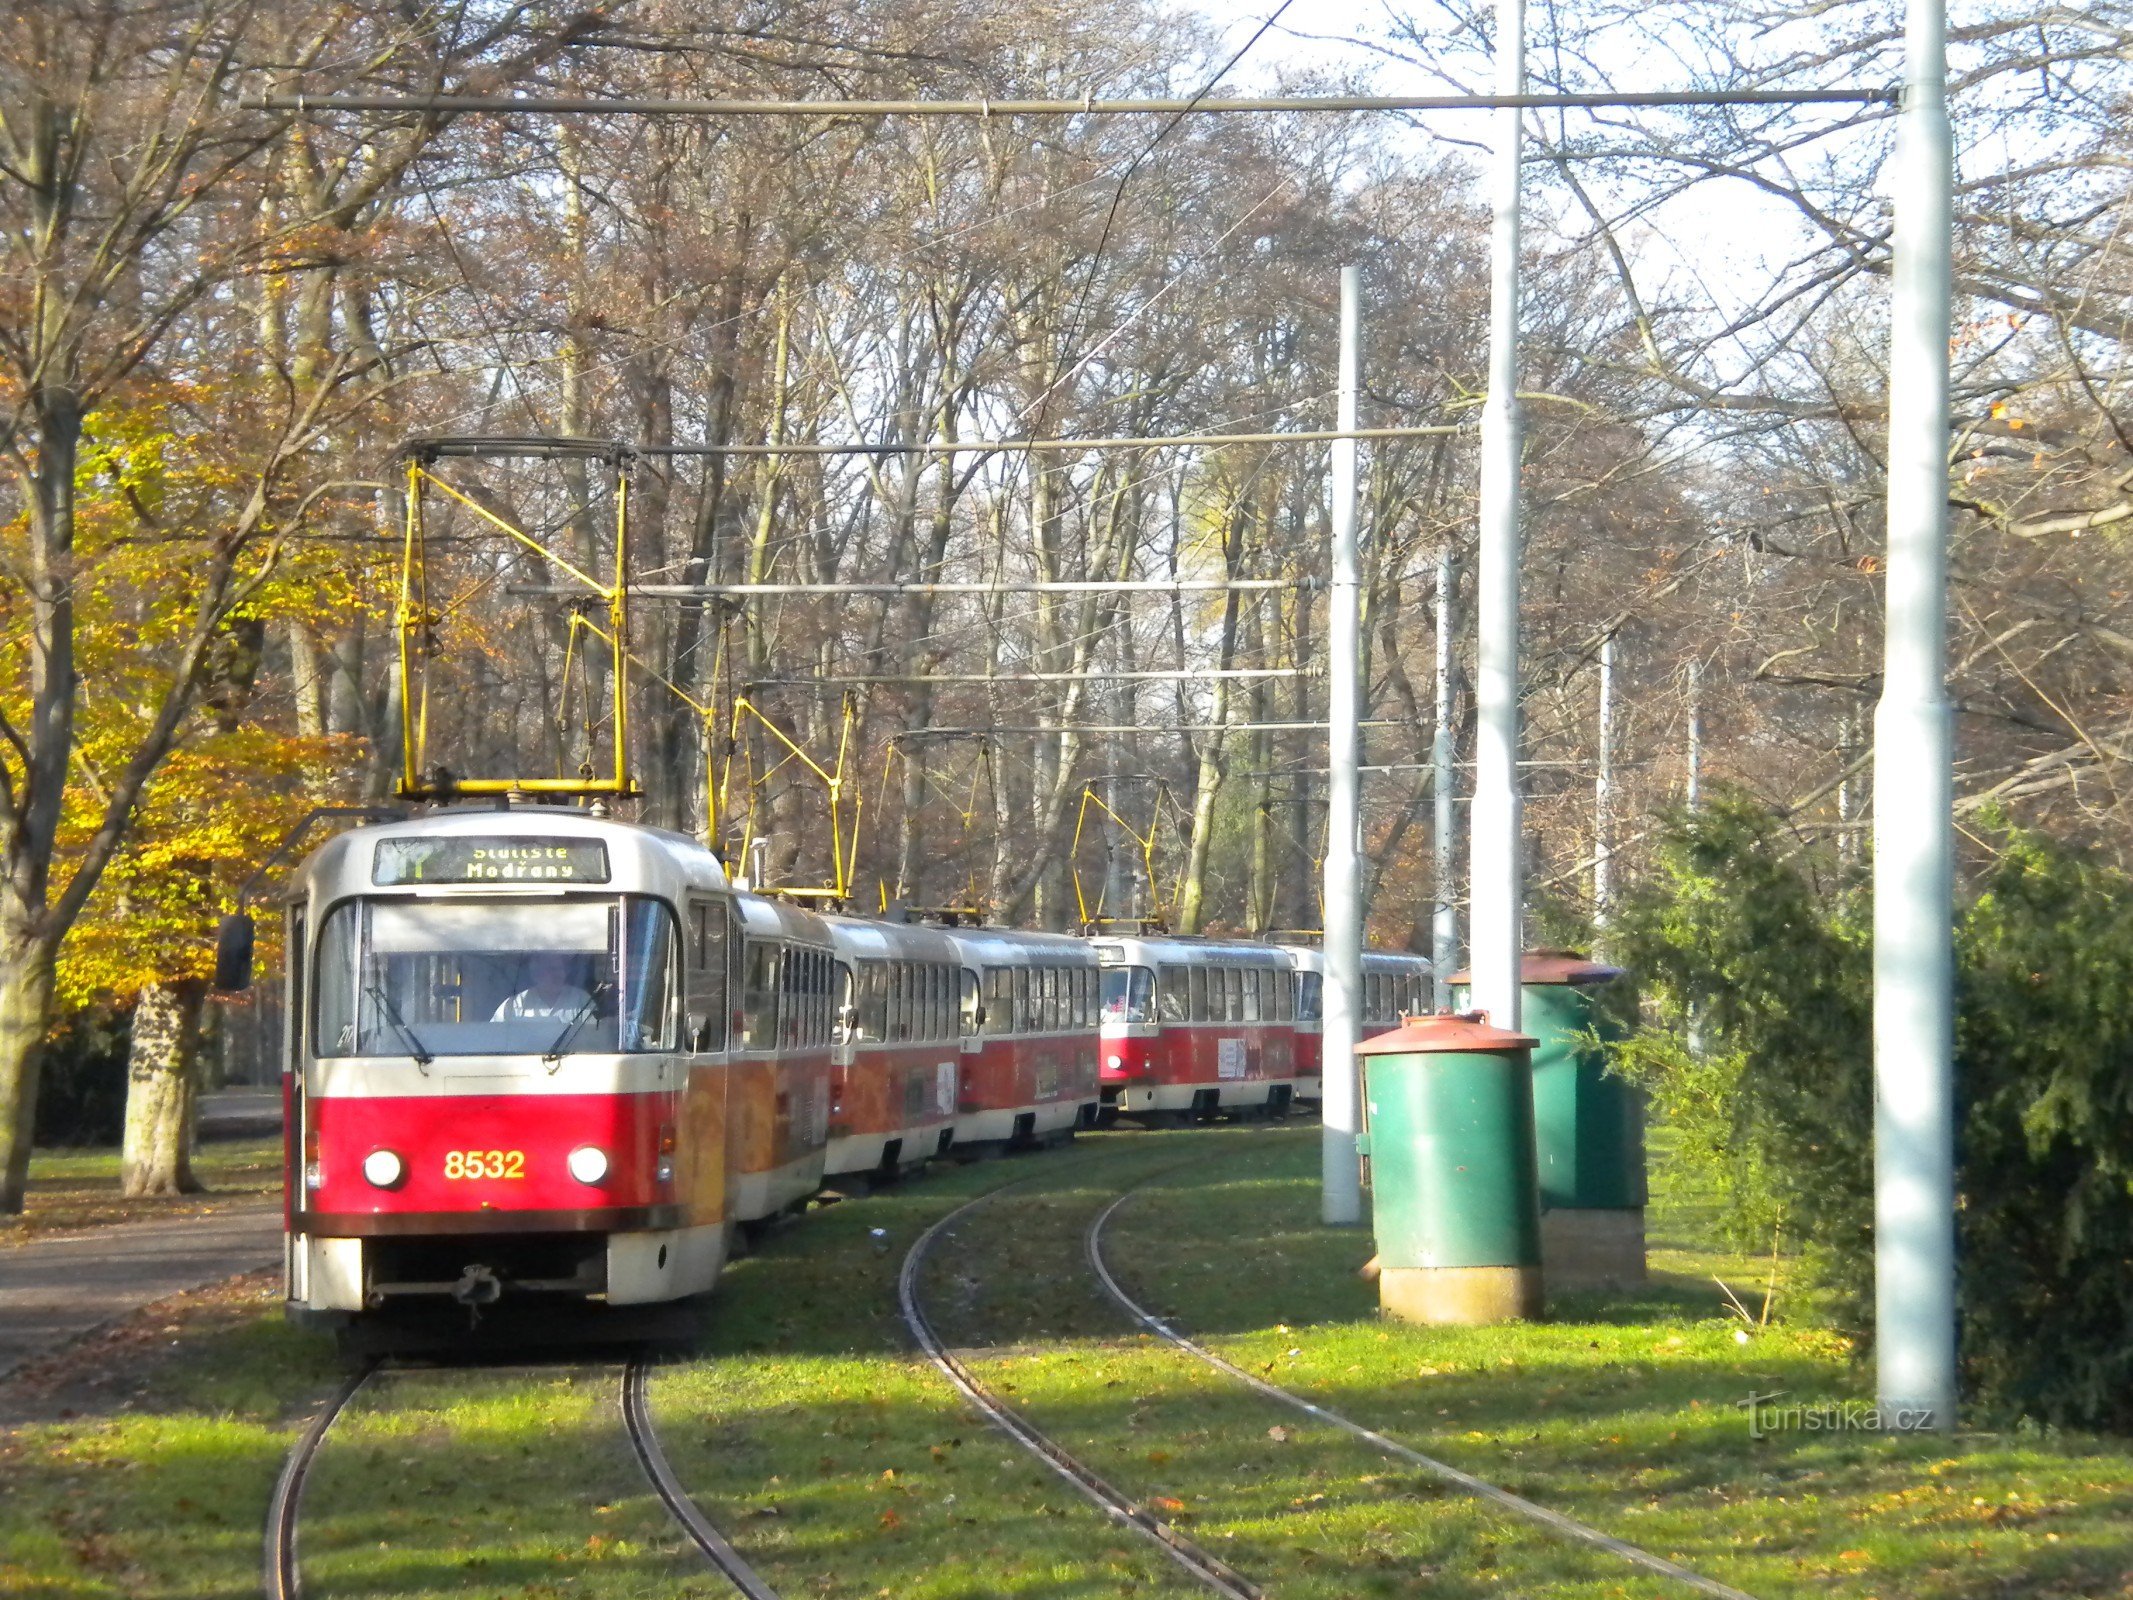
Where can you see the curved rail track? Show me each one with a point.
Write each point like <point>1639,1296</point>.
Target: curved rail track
<point>283,1579</point>
<point>280,1579</point>
<point>1554,1521</point>
<point>1106,1497</point>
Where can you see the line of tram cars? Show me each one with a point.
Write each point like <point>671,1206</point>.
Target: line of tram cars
<point>543,1051</point>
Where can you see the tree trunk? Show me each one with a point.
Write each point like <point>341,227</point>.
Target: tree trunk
<point>25,1014</point>
<point>162,1080</point>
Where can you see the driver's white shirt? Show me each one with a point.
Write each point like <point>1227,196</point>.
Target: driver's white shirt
<point>530,1005</point>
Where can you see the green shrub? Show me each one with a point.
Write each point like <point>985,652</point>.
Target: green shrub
<point>81,1099</point>
<point>1736,944</point>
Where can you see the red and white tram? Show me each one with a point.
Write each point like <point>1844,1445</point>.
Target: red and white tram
<point>1029,1045</point>
<point>536,1050</point>
<point>1395,985</point>
<point>1195,1026</point>
<point>899,1046</point>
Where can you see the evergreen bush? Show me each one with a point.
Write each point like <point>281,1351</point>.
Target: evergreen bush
<point>1740,948</point>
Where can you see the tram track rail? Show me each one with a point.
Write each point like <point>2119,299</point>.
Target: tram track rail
<point>1555,1522</point>
<point>281,1579</point>
<point>281,1571</point>
<point>1113,1502</point>
<point>652,1457</point>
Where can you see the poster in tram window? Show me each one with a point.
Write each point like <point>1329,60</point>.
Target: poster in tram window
<point>1229,1058</point>
<point>944,1087</point>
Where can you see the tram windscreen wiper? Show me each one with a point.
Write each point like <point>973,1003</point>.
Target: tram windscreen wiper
<point>408,1036</point>
<point>553,1055</point>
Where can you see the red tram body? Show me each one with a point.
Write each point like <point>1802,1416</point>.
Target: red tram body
<point>1396,985</point>
<point>540,1051</point>
<point>1192,1027</point>
<point>534,1050</point>
<point>1029,1045</point>
<point>899,1046</point>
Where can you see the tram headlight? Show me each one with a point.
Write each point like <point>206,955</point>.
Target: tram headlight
<point>384,1169</point>
<point>587,1163</point>
<point>1117,1062</point>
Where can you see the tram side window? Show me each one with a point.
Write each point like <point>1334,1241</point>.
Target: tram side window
<point>759,995</point>
<point>943,1003</point>
<point>1196,993</point>
<point>650,1001</point>
<point>1284,996</point>
<point>1024,1021</point>
<point>825,996</point>
<point>704,978</point>
<point>1086,977</point>
<point>971,1006</point>
<point>1310,996</point>
<point>872,983</point>
<point>999,1001</point>
<point>292,1010</point>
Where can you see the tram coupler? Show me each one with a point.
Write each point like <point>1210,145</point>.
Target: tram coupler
<point>478,1286</point>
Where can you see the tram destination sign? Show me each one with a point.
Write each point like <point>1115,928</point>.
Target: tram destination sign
<point>479,858</point>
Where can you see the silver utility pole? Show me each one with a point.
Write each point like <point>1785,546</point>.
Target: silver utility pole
<point>1603,795</point>
<point>1444,778</point>
<point>1494,889</point>
<point>1694,789</point>
<point>1914,836</point>
<point>1342,1200</point>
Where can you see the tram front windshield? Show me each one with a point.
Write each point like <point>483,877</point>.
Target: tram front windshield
<point>1128,994</point>
<point>456,977</point>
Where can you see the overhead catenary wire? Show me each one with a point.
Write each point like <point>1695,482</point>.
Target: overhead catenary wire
<point>563,445</point>
<point>717,591</point>
<point>1152,675</point>
<point>1247,105</point>
<point>1040,730</point>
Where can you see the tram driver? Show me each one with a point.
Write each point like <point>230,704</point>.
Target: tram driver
<point>549,994</point>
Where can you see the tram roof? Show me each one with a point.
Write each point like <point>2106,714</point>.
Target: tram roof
<point>1184,948</point>
<point>1312,958</point>
<point>1021,947</point>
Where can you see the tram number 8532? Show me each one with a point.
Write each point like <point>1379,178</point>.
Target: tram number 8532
<point>485,1164</point>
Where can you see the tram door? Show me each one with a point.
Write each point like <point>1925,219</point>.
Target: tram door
<point>294,1135</point>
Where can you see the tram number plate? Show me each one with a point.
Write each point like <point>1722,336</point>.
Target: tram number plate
<point>485,1163</point>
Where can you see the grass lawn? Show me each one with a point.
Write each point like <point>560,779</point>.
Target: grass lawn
<point>1625,1410</point>
<point>843,1465</point>
<point>71,1189</point>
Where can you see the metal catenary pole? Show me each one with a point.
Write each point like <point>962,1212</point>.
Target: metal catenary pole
<point>1495,891</point>
<point>1341,1200</point>
<point>1444,917</point>
<point>1914,854</point>
<point>1693,793</point>
<point>1603,796</point>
